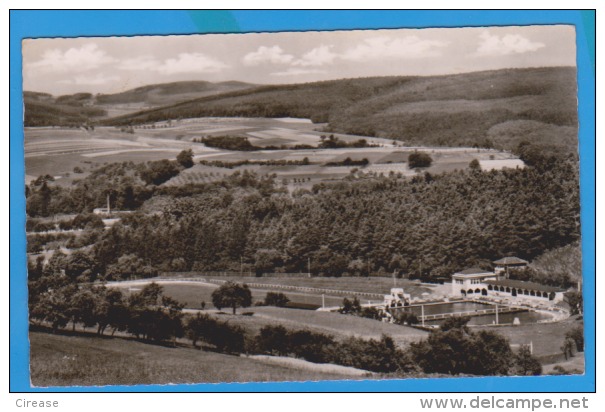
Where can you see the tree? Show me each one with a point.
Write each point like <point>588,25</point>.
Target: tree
<point>81,264</point>
<point>567,347</point>
<point>577,335</point>
<point>474,165</point>
<point>273,340</point>
<point>455,322</point>
<point>419,159</point>
<point>574,299</point>
<point>458,350</point>
<point>525,363</point>
<point>232,295</point>
<point>185,158</point>
<point>111,310</point>
<point>198,327</point>
<point>350,307</point>
<point>153,315</point>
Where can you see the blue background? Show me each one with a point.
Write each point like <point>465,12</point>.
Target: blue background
<point>31,24</point>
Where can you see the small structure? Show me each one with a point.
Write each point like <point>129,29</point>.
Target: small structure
<point>471,282</point>
<point>103,211</point>
<point>397,298</point>
<point>521,290</point>
<point>478,282</point>
<point>503,265</point>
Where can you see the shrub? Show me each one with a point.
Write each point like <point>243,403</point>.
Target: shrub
<point>276,299</point>
<point>577,336</point>
<point>419,159</point>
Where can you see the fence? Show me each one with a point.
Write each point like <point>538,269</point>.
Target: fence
<point>245,273</point>
<point>290,288</point>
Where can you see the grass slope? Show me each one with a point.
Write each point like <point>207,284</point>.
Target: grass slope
<point>59,360</point>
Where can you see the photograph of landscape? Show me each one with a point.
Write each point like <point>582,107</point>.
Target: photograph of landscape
<point>303,206</point>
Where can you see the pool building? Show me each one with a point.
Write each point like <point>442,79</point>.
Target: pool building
<point>479,282</point>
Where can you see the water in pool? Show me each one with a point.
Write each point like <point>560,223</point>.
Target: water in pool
<point>454,307</point>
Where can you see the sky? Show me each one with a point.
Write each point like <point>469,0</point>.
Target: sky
<point>115,64</point>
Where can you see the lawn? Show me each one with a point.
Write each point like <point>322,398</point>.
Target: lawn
<point>341,326</point>
<point>59,360</point>
<point>380,285</point>
<point>192,294</point>
<point>547,338</point>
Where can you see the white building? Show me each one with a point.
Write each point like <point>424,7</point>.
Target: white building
<point>471,282</point>
<point>479,282</point>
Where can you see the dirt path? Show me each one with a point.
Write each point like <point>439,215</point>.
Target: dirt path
<point>306,365</point>
<point>143,282</point>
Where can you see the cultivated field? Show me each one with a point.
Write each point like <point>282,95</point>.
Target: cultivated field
<point>57,151</point>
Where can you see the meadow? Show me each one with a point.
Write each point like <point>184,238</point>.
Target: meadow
<point>547,338</point>
<point>62,360</point>
<point>192,294</point>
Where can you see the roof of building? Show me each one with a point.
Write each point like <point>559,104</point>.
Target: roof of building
<point>474,271</point>
<point>519,284</point>
<point>511,260</point>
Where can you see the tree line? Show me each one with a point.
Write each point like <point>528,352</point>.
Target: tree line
<point>57,299</point>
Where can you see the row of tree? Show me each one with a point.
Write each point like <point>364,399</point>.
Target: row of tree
<point>152,316</point>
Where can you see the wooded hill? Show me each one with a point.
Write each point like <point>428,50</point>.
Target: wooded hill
<point>492,108</point>
<point>43,109</point>
<point>171,93</point>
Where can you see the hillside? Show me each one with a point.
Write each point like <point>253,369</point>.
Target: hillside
<point>43,109</point>
<point>171,93</point>
<point>50,112</point>
<point>58,360</point>
<point>493,108</point>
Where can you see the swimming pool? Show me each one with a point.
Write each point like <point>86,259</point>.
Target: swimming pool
<point>464,307</point>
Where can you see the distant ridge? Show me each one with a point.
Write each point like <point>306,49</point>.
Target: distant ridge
<point>497,108</point>
<point>159,93</point>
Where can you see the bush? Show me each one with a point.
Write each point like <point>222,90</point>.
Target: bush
<point>185,158</point>
<point>273,340</point>
<point>454,350</point>
<point>526,364</point>
<point>372,355</point>
<point>224,337</point>
<point>276,299</point>
<point>419,159</point>
<point>577,336</point>
<point>311,346</point>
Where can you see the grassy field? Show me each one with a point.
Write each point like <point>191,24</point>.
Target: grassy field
<point>193,293</point>
<point>337,324</point>
<point>547,338</point>
<point>58,360</point>
<point>355,284</point>
<point>574,366</point>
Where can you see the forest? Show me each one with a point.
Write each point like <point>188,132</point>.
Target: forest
<point>427,227</point>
